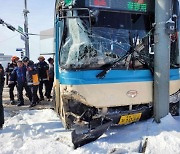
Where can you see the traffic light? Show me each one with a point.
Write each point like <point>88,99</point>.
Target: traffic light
<point>1,21</point>
<point>22,54</point>
<point>10,27</point>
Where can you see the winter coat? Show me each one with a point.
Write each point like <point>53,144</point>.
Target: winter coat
<point>10,67</point>
<point>32,74</point>
<point>42,67</point>
<point>51,71</point>
<point>1,75</point>
<point>1,90</point>
<point>18,74</point>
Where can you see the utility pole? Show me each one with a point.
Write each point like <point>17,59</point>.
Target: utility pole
<point>161,59</point>
<point>25,11</point>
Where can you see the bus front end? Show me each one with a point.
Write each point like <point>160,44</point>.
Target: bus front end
<point>104,62</point>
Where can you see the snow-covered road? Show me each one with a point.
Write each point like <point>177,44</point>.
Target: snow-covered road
<point>41,132</point>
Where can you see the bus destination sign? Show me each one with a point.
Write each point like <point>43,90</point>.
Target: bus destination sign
<point>124,5</point>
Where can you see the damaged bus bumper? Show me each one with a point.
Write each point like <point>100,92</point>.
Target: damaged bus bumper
<point>95,121</point>
<point>79,112</point>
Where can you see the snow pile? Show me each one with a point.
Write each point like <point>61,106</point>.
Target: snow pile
<point>40,131</point>
<point>165,137</point>
<point>33,132</point>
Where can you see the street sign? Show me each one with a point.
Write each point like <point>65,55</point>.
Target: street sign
<point>68,2</point>
<point>20,29</point>
<point>19,49</point>
<point>22,38</point>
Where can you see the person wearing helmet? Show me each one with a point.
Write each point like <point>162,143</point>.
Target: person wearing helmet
<point>25,59</point>
<point>11,84</point>
<point>43,72</point>
<point>32,79</point>
<point>1,90</point>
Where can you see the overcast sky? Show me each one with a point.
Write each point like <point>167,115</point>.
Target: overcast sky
<point>40,18</point>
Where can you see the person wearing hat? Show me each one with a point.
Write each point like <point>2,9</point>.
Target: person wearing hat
<point>1,90</point>
<point>19,75</point>
<point>43,72</point>
<point>32,79</point>
<point>11,84</point>
<point>51,77</point>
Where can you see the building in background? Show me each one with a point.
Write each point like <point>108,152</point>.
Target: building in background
<point>47,43</point>
<point>5,59</point>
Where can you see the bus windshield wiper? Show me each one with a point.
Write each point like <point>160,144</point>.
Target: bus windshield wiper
<point>108,67</point>
<point>134,51</point>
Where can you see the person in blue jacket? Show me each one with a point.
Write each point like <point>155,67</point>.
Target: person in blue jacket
<point>19,75</point>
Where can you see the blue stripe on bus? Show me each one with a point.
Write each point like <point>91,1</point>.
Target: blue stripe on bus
<point>113,76</point>
<point>56,41</point>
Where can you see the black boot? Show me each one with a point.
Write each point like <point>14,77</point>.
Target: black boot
<point>13,102</point>
<point>41,99</point>
<point>1,126</point>
<point>20,104</point>
<point>32,105</point>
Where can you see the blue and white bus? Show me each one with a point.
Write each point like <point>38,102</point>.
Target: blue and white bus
<point>104,61</point>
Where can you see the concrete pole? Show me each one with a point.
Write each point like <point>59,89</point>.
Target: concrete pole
<point>161,60</point>
<point>25,11</point>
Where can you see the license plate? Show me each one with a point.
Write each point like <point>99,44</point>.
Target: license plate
<point>127,119</point>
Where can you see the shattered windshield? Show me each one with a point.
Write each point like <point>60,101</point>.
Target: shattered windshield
<point>102,38</point>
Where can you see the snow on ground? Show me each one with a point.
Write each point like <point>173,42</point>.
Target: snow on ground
<point>41,132</point>
<point>33,131</point>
